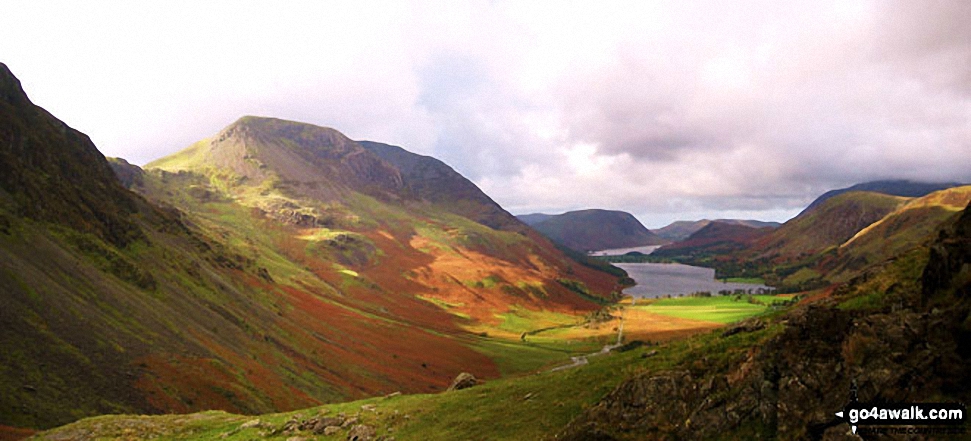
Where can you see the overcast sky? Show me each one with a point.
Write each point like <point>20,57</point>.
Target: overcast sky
<point>668,110</point>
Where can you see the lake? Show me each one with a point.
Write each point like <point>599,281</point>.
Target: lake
<point>621,251</point>
<point>659,279</point>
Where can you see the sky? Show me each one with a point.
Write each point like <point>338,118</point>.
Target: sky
<point>667,110</point>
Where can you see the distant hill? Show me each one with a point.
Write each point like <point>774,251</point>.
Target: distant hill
<point>898,187</point>
<point>680,230</point>
<point>715,238</point>
<point>594,229</point>
<point>534,218</point>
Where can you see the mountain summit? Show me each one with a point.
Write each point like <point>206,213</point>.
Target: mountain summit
<point>313,161</point>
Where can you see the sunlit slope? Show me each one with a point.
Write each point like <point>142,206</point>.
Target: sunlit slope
<point>346,208</point>
<point>913,224</point>
<point>827,225</point>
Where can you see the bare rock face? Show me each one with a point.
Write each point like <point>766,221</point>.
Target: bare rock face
<point>464,380</point>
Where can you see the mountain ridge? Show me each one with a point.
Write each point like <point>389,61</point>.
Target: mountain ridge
<point>891,187</point>
<point>432,180</point>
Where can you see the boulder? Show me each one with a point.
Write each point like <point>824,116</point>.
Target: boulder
<point>361,432</point>
<point>464,380</point>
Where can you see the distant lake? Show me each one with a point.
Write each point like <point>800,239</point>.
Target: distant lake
<point>621,251</point>
<point>658,279</point>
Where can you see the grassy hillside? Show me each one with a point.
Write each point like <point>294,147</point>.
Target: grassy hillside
<point>828,225</point>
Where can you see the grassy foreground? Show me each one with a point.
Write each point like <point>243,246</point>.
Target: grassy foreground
<point>519,406</point>
<point>529,407</point>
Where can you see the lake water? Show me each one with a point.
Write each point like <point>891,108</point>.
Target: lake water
<point>659,279</point>
<point>621,251</point>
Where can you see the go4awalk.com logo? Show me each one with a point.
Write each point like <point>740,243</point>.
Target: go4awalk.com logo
<point>945,418</point>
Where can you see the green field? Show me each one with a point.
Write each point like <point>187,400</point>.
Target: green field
<point>753,280</point>
<point>718,309</point>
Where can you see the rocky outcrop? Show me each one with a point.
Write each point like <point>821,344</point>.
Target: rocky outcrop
<point>464,380</point>
<point>948,266</point>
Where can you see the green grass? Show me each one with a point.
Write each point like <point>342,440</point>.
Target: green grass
<point>718,309</point>
<point>870,301</point>
<point>753,280</point>
<point>519,320</point>
<point>516,357</point>
<point>186,159</point>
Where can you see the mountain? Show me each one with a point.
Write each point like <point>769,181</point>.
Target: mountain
<point>899,187</point>
<point>680,230</point>
<point>534,218</point>
<point>54,173</point>
<point>274,266</point>
<point>715,238</point>
<point>310,161</point>
<point>382,231</point>
<point>591,230</point>
<point>828,224</point>
<point>432,181</point>
<point>907,227</point>
<point>105,294</point>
